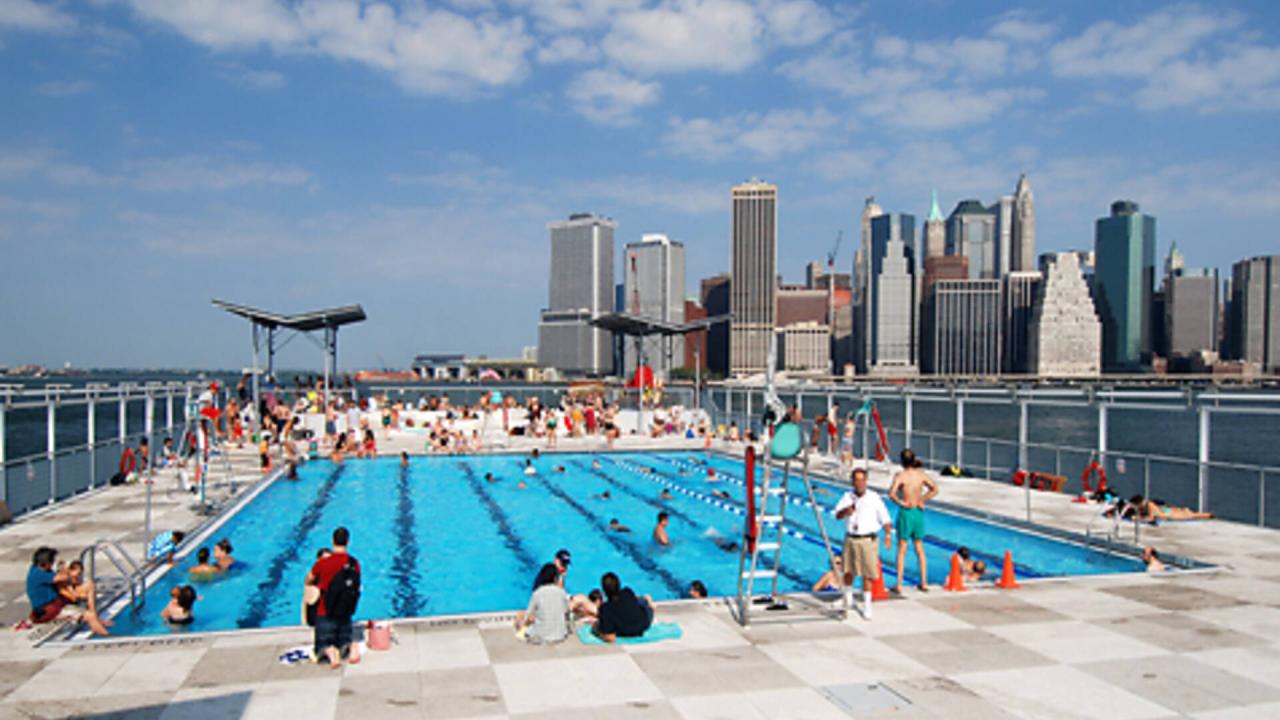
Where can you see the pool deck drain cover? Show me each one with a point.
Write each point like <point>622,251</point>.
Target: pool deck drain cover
<point>863,698</point>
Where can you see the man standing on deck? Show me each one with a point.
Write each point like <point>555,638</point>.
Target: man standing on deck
<point>864,516</point>
<point>911,489</point>
<point>337,577</point>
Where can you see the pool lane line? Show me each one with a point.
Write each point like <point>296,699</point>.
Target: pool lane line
<point>629,549</point>
<point>406,602</point>
<point>938,542</point>
<point>665,479</point>
<point>674,511</point>
<point>268,590</point>
<point>500,520</point>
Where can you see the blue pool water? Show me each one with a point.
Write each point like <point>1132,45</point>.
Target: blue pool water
<point>436,538</point>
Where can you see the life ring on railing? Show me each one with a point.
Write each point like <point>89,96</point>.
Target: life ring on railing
<point>1020,478</point>
<point>751,531</point>
<point>128,462</point>
<point>1094,468</point>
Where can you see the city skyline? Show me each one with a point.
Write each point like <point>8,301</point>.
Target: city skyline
<point>161,157</point>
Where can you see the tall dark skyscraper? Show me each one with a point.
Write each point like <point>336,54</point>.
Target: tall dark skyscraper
<point>753,291</point>
<point>1255,311</point>
<point>1125,254</point>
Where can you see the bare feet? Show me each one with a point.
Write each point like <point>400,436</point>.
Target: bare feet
<point>922,587</point>
<point>335,660</point>
<point>353,654</point>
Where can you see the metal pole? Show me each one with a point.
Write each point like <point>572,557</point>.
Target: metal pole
<point>988,444</point>
<point>697,377</point>
<point>960,432</point>
<point>149,416</point>
<point>146,525</point>
<point>910,421</point>
<point>168,409</point>
<point>257,423</point>
<point>51,447</point>
<point>1022,435</point>
<point>123,417</point>
<point>326,370</point>
<point>92,441</point>
<point>1203,481</point>
<point>1262,491</point>
<point>747,424</point>
<point>4,479</point>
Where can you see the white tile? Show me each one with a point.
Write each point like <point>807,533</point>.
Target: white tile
<point>310,698</point>
<point>1073,641</point>
<point>701,631</point>
<point>588,681</point>
<point>449,649</point>
<point>69,677</point>
<point>152,671</point>
<point>902,617</point>
<point>1258,663</point>
<point>783,704</point>
<point>1257,620</point>
<point>1265,711</point>
<point>843,660</point>
<point>1058,692</point>
<point>1086,604</point>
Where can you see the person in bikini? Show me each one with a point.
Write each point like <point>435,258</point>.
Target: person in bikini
<point>911,489</point>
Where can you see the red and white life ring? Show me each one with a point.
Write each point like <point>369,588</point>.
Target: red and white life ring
<point>1094,468</point>
<point>128,462</point>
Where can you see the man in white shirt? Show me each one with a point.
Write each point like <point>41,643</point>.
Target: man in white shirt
<point>864,515</point>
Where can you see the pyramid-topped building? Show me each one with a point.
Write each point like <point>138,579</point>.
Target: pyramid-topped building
<point>1066,335</point>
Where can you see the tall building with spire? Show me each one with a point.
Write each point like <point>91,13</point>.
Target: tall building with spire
<point>1022,240</point>
<point>935,231</point>
<point>894,306</point>
<point>753,289</point>
<point>861,288</point>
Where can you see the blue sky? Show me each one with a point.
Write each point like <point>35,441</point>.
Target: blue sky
<point>304,153</point>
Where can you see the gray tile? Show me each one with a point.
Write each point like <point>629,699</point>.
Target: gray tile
<point>707,672</point>
<point>954,651</point>
<point>1178,632</point>
<point>1173,596</point>
<point>1181,683</point>
<point>989,608</point>
<point>820,629</point>
<point>504,647</point>
<point>461,692</point>
<point>141,706</point>
<point>944,697</point>
<point>233,666</point>
<point>391,695</point>
<point>13,674</point>
<point>657,710</point>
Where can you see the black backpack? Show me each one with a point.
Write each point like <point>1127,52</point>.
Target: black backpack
<point>343,594</point>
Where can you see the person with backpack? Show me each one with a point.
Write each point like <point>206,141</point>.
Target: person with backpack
<point>337,577</point>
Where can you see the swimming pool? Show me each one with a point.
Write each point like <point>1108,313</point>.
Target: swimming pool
<point>437,538</point>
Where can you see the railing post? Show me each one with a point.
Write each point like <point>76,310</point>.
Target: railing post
<point>960,432</point>
<point>728,405</point>
<point>988,444</point>
<point>746,422</point>
<point>1023,432</point>
<point>149,416</point>
<point>4,478</point>
<point>1203,457</point>
<point>1262,490</point>
<point>90,436</point>
<point>1102,435</point>
<point>51,445</point>
<point>124,417</point>
<point>168,409</point>
<point>1146,476</point>
<point>910,420</point>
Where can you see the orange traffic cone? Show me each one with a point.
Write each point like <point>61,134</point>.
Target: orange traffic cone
<point>955,581</point>
<point>1007,579</point>
<point>878,591</point>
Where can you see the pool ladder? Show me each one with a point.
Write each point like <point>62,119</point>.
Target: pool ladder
<point>131,577</point>
<point>1107,540</point>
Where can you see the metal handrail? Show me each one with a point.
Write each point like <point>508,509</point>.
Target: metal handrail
<point>133,576</point>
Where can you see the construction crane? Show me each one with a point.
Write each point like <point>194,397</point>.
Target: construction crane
<point>831,302</point>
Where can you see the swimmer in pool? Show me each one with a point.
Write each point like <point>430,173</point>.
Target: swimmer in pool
<point>616,526</point>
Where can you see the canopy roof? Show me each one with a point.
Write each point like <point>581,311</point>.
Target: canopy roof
<point>628,324</point>
<point>302,322</point>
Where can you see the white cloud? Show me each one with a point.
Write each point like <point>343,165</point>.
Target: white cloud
<point>558,16</point>
<point>566,48</point>
<point>682,35</point>
<point>651,192</point>
<point>31,16</point>
<point>1019,28</point>
<point>1245,78</point>
<point>608,97</point>
<point>430,51</point>
<point>1110,49</point>
<point>173,174</point>
<point>764,135</point>
<point>63,88</point>
<point>796,22</point>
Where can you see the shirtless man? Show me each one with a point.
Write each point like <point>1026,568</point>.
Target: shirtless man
<point>660,530</point>
<point>911,489</point>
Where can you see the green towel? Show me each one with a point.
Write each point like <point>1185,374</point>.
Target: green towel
<point>656,632</point>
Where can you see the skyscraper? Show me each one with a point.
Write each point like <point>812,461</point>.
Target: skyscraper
<point>581,287</point>
<point>754,286</point>
<point>1125,252</point>
<point>892,292</point>
<point>935,231</point>
<point>1022,242</point>
<point>1001,236</point>
<point>653,287</point>
<point>1065,334</point>
<point>714,296</point>
<point>1190,311</point>
<point>962,320</point>
<point>861,289</point>
<point>1020,288</point>
<point>971,232</point>
<point>1255,311</point>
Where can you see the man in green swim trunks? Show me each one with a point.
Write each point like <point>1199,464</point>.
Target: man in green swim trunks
<point>911,489</point>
